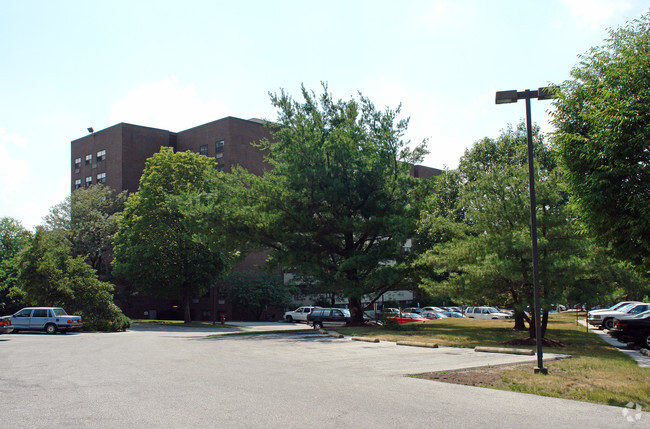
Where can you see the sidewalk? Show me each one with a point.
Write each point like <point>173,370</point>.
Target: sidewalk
<point>642,360</point>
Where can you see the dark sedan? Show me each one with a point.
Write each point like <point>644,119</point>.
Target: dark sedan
<point>634,329</point>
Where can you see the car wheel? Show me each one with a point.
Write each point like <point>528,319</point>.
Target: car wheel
<point>289,319</point>
<point>646,341</point>
<point>318,325</point>
<point>608,323</point>
<point>50,328</point>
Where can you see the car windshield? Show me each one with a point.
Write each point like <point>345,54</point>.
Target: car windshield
<point>346,312</point>
<point>416,316</point>
<point>642,315</point>
<point>59,312</point>
<point>492,310</point>
<point>625,308</point>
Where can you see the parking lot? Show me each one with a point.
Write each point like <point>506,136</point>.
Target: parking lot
<point>177,377</point>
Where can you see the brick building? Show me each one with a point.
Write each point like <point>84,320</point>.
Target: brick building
<point>116,157</point>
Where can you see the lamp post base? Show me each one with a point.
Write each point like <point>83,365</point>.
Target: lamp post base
<point>541,370</point>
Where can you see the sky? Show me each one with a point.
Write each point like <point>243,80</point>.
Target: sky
<point>69,65</point>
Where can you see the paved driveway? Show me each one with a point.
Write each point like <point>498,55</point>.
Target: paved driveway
<point>174,377</point>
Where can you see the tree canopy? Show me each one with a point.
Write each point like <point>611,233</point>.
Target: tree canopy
<point>13,238</point>
<point>337,206</point>
<point>160,246</point>
<point>602,134</point>
<point>479,238</point>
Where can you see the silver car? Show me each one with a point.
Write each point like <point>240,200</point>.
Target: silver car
<point>48,319</point>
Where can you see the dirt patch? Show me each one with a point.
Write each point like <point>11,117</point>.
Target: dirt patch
<point>480,377</point>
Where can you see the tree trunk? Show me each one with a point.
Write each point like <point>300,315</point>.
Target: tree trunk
<point>520,321</point>
<point>187,317</point>
<point>544,323</point>
<point>356,311</point>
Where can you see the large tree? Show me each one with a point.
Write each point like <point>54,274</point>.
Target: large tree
<point>13,238</point>
<point>50,276</point>
<point>337,205</point>
<point>88,217</point>
<point>603,136</point>
<point>479,240</point>
<point>161,246</point>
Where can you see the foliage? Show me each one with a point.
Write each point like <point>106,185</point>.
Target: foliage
<point>603,136</point>
<point>486,256</point>
<point>256,290</point>
<point>13,238</point>
<point>88,217</point>
<point>338,204</point>
<point>161,246</point>
<point>49,276</point>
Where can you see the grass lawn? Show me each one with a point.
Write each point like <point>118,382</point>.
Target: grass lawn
<point>597,372</point>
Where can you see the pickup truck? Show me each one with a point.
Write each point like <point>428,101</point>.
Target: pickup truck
<point>48,319</point>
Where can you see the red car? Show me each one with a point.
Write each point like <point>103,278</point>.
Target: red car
<point>403,318</point>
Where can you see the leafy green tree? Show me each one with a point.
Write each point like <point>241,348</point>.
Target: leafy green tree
<point>337,205</point>
<point>88,217</point>
<point>161,246</point>
<point>256,290</point>
<point>13,238</point>
<point>603,138</point>
<point>49,276</point>
<point>486,257</point>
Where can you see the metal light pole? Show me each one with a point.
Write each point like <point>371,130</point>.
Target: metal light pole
<point>505,97</point>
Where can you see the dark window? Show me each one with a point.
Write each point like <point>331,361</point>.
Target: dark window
<point>40,313</point>
<point>101,178</point>
<point>218,147</point>
<point>220,167</point>
<point>203,150</point>
<point>101,155</point>
<point>77,184</point>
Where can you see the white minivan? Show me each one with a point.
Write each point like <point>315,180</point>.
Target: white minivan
<point>485,313</point>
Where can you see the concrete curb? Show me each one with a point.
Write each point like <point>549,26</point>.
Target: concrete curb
<point>367,340</point>
<point>417,344</point>
<point>334,334</point>
<point>504,350</point>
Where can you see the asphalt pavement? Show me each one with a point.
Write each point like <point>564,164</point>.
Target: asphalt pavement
<point>173,377</point>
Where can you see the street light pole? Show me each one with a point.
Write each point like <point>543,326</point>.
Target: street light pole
<point>503,97</point>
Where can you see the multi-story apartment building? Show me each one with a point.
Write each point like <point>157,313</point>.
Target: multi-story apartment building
<point>116,157</point>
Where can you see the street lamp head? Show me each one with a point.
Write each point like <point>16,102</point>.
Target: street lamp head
<point>505,97</point>
<point>548,92</point>
<point>90,129</point>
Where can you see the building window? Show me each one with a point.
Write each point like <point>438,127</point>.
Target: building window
<point>203,150</point>
<point>101,178</point>
<point>77,184</point>
<point>89,181</point>
<point>220,167</point>
<point>89,159</point>
<point>77,165</point>
<point>218,147</point>
<point>101,155</point>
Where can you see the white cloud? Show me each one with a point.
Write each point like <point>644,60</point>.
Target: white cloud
<point>592,13</point>
<point>168,105</point>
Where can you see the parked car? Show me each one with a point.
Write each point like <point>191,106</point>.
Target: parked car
<point>453,314</point>
<point>615,307</point>
<point>403,318</point>
<point>485,313</point>
<point>432,315</point>
<point>327,317</point>
<point>5,325</point>
<point>48,319</point>
<point>634,329</point>
<point>298,315</point>
<point>417,310</point>
<point>605,319</point>
<point>435,309</point>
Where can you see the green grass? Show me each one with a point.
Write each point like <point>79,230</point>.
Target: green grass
<point>597,372</point>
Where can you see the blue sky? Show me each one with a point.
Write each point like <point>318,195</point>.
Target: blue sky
<point>69,65</point>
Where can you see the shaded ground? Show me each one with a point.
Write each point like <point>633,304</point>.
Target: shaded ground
<point>488,376</point>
